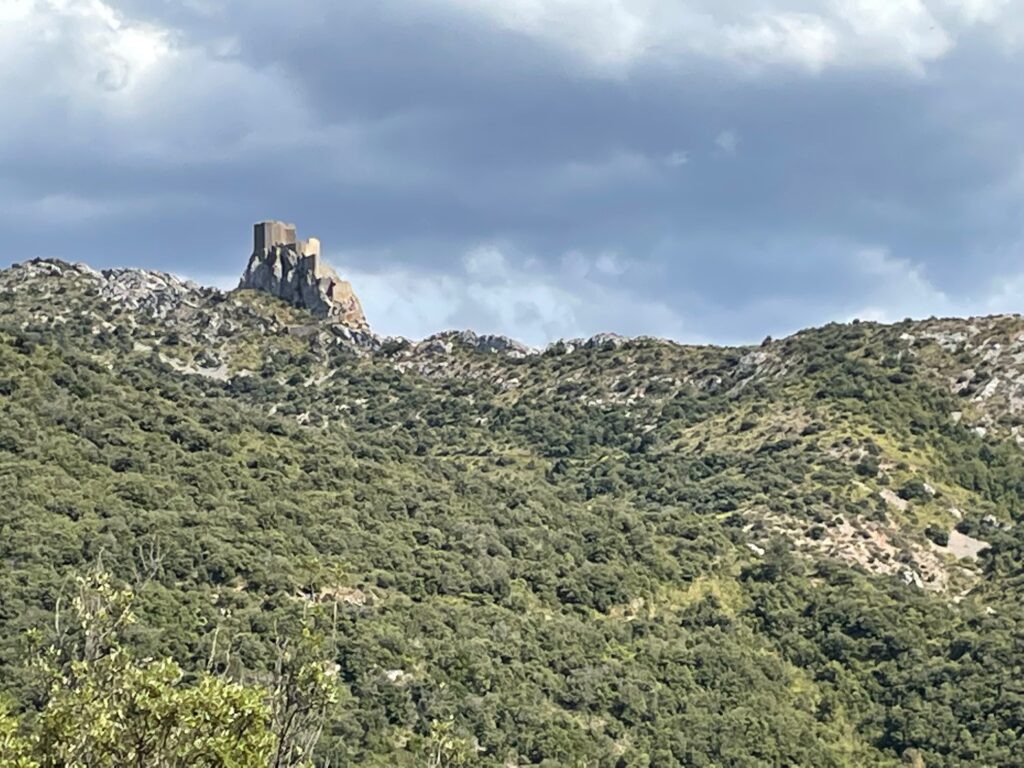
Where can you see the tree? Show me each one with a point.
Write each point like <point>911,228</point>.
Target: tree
<point>444,748</point>
<point>14,747</point>
<point>105,709</point>
<point>116,712</point>
<point>302,692</point>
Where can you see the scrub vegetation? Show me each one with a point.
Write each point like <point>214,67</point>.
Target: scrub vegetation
<point>296,548</point>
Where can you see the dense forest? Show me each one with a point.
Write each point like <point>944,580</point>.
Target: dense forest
<point>613,553</point>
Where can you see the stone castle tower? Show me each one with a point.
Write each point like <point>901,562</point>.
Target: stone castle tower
<point>292,270</point>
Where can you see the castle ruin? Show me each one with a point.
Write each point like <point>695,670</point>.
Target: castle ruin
<point>268,234</point>
<point>291,269</point>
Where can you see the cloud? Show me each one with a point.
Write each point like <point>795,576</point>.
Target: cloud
<point>62,209</point>
<point>150,96</point>
<point>85,47</point>
<point>896,288</point>
<point>677,159</point>
<point>612,37</point>
<point>611,264</point>
<point>617,168</point>
<point>608,34</point>
<point>728,142</point>
<point>980,11</point>
<point>1006,296</point>
<point>536,167</point>
<point>801,39</point>
<point>500,291</point>
<point>105,76</point>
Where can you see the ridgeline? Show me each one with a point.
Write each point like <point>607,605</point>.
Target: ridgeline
<point>610,552</point>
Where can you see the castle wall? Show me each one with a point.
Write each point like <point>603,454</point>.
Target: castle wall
<point>260,236</point>
<point>310,249</point>
<point>267,234</point>
<point>292,270</point>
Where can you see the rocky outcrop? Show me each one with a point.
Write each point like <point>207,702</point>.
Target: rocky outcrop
<point>292,271</point>
<point>483,343</point>
<point>155,294</point>
<point>600,341</point>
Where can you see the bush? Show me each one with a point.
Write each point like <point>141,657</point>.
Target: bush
<point>937,535</point>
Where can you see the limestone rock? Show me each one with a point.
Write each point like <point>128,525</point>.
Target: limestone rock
<point>292,270</point>
<point>601,340</point>
<point>491,343</point>
<point>442,345</point>
<point>155,294</point>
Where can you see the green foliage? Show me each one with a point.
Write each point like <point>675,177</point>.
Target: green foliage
<point>302,694</point>
<point>536,562</point>
<point>16,749</point>
<point>914,490</point>
<point>103,709</point>
<point>937,535</point>
<point>115,712</point>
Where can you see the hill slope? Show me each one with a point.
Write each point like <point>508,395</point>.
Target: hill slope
<point>612,552</point>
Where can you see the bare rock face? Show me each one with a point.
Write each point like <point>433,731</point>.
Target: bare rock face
<point>444,343</point>
<point>156,293</point>
<point>153,294</point>
<point>292,270</point>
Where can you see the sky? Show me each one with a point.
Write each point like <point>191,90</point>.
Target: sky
<point>712,171</point>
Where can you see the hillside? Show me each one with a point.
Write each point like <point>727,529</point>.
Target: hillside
<point>610,552</point>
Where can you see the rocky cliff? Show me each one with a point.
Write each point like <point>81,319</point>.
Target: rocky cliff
<point>293,271</point>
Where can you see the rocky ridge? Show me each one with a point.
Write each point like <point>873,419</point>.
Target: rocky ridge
<point>300,279</point>
<point>228,337</point>
<point>980,360</point>
<point>61,289</point>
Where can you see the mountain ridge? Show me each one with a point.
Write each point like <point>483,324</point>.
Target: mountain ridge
<point>205,323</point>
<point>979,359</point>
<point>592,550</point>
<point>160,277</point>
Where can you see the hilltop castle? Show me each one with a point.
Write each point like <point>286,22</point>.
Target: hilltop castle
<point>292,270</point>
<point>267,234</point>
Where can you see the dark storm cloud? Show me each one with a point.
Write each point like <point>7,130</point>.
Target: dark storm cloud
<point>451,162</point>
